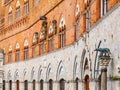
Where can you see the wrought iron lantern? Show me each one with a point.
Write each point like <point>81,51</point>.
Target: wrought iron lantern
<point>104,57</point>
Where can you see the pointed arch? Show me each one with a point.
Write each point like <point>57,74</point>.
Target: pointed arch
<point>10,9</point>
<point>49,72</point>
<point>82,61</point>
<point>26,0</point>
<point>50,29</point>
<point>75,68</point>
<point>10,48</point>
<point>17,4</point>
<point>40,72</point>
<point>86,65</point>
<point>24,73</point>
<point>32,73</point>
<point>77,9</point>
<point>26,43</point>
<point>60,71</point>
<point>9,75</point>
<point>16,75</point>
<point>17,46</point>
<point>62,22</point>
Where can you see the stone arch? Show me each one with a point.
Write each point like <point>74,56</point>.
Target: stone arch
<point>60,71</point>
<point>24,73</point>
<point>49,72</point>
<point>9,75</point>
<point>86,67</point>
<point>40,73</point>
<point>16,75</point>
<point>75,69</point>
<point>96,64</point>
<point>32,72</point>
<point>82,61</point>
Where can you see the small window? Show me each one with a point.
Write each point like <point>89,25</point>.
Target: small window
<point>25,85</point>
<point>10,17</point>
<point>35,3</point>
<point>17,56</point>
<point>10,57</point>
<point>51,44</point>
<point>34,51</point>
<point>26,8</point>
<point>87,20</point>
<point>26,54</point>
<point>104,6</point>
<point>62,39</point>
<point>18,12</point>
<point>41,48</point>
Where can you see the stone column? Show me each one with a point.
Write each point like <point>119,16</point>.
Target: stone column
<point>104,79</point>
<point>1,68</point>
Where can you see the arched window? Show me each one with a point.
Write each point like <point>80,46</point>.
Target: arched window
<point>10,54</point>
<point>26,50</point>
<point>41,84</point>
<point>17,85</point>
<point>62,33</point>
<point>87,20</point>
<point>35,3</point>
<point>26,6</point>
<point>33,84</point>
<point>76,82</point>
<point>10,85</point>
<point>62,84</point>
<point>17,9</point>
<point>50,84</point>
<point>10,15</point>
<point>17,53</point>
<point>86,82</point>
<point>35,41</point>
<point>104,5</point>
<point>51,44</point>
<point>25,85</point>
<point>3,84</point>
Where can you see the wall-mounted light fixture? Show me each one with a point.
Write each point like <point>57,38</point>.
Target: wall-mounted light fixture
<point>43,18</point>
<point>104,59</point>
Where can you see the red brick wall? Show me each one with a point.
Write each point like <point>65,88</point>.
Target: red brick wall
<point>23,28</point>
